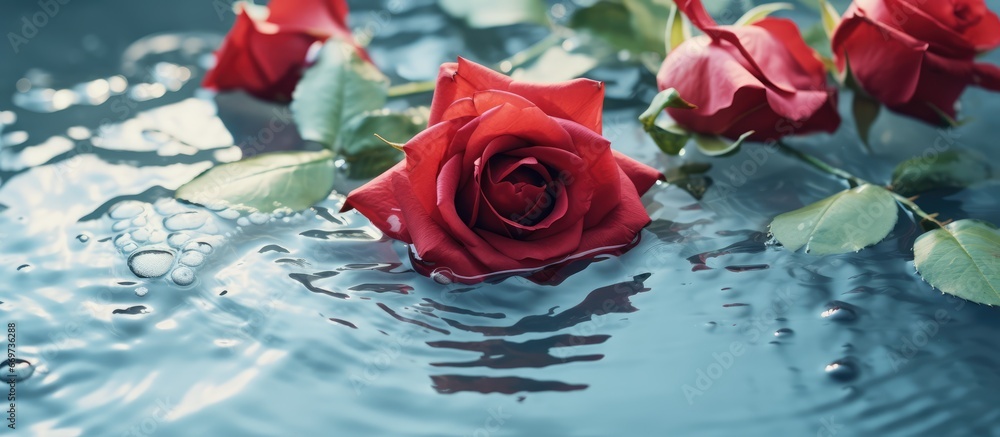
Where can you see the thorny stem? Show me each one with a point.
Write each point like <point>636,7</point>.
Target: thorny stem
<point>856,181</point>
<point>506,66</point>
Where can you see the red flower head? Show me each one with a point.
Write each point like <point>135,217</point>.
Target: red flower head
<point>918,56</point>
<point>509,178</point>
<point>762,78</point>
<point>265,52</point>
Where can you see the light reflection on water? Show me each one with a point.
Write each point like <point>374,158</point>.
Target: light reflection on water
<point>303,323</point>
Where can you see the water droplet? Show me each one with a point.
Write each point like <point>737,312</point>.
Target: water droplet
<point>185,221</point>
<point>150,263</point>
<point>83,238</point>
<point>199,246</point>
<point>442,276</point>
<point>126,210</point>
<point>243,221</point>
<point>141,235</point>
<point>24,268</point>
<point>121,225</point>
<point>182,276</point>
<point>839,312</point>
<point>842,370</point>
<point>22,370</point>
<point>177,239</point>
<point>258,218</point>
<point>783,333</point>
<point>139,221</point>
<point>228,214</point>
<point>192,258</point>
<point>157,236</point>
<point>141,291</point>
<point>129,247</point>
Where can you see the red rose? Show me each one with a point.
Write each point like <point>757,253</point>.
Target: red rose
<point>762,78</point>
<point>508,178</point>
<point>918,56</point>
<point>265,55</point>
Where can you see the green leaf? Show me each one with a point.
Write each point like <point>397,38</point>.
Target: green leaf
<point>555,65</point>
<point>678,29</point>
<point>816,38</point>
<point>962,259</point>
<point>671,140</point>
<point>634,25</point>
<point>845,222</point>
<point>366,155</point>
<point>668,98</point>
<point>610,22</point>
<point>830,18</point>
<point>337,88</point>
<point>493,13</point>
<point>712,145</point>
<point>866,110</point>
<point>265,183</point>
<point>948,169</point>
<point>761,12</point>
<point>649,22</point>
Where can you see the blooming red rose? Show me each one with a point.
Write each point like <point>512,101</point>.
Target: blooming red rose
<point>762,78</point>
<point>265,52</point>
<point>918,56</point>
<point>508,178</point>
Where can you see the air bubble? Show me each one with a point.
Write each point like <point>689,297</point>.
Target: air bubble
<point>141,235</point>
<point>178,239</point>
<point>21,370</point>
<point>185,221</point>
<point>83,238</point>
<point>228,214</point>
<point>182,276</point>
<point>126,210</point>
<point>258,218</point>
<point>192,258</point>
<point>199,246</point>
<point>121,225</point>
<point>151,263</point>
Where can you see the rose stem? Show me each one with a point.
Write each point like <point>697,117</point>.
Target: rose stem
<point>855,181</point>
<point>505,66</point>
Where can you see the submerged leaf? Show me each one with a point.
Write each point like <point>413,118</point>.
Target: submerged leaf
<point>962,259</point>
<point>264,183</point>
<point>337,88</point>
<point>948,169</point>
<point>845,222</point>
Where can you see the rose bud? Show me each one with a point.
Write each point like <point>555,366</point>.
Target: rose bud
<point>918,56</point>
<point>266,51</point>
<point>509,178</point>
<point>761,78</point>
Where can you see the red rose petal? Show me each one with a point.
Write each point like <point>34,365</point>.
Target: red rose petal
<point>642,176</point>
<point>887,70</point>
<point>377,201</point>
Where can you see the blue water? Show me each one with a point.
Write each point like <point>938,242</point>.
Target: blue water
<point>313,324</point>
